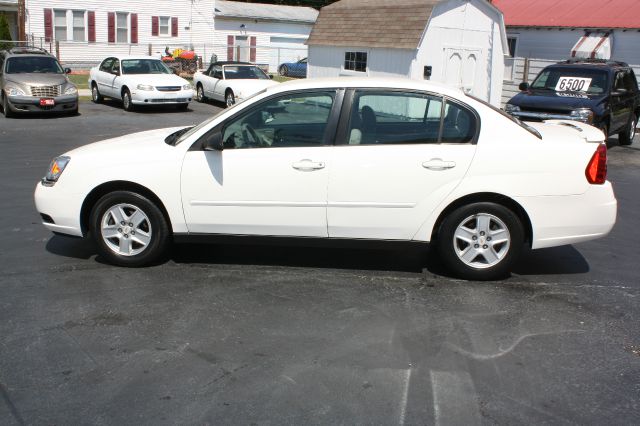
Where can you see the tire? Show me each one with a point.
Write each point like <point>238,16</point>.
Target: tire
<point>626,137</point>
<point>200,97</point>
<point>283,71</point>
<point>96,97</point>
<point>229,99</point>
<point>127,104</point>
<point>486,257</point>
<point>140,242</point>
<point>6,110</point>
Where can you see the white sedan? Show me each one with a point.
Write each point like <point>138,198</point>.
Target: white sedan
<point>230,82</point>
<point>139,80</point>
<point>358,159</point>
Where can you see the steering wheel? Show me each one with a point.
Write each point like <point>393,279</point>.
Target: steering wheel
<point>254,141</point>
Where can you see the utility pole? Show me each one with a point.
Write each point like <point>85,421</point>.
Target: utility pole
<point>22,20</point>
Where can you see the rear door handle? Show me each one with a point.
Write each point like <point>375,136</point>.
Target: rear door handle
<point>307,165</point>
<point>438,164</point>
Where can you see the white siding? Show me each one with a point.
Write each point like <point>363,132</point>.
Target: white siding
<point>201,32</point>
<point>327,61</point>
<point>263,31</point>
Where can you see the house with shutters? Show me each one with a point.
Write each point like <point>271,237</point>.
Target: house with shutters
<point>88,31</point>
<point>84,32</point>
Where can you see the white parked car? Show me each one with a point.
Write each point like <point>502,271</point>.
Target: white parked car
<point>230,82</point>
<point>362,159</point>
<point>139,80</point>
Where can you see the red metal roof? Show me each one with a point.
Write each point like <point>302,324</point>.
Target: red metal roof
<point>571,13</point>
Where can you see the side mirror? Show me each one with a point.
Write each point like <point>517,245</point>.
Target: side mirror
<point>523,86</point>
<point>116,72</point>
<point>213,142</point>
<point>67,70</point>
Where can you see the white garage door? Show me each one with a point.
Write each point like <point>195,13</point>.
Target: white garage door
<point>285,49</point>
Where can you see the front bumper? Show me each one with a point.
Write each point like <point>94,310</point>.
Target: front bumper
<point>156,97</point>
<point>26,104</point>
<point>60,210</point>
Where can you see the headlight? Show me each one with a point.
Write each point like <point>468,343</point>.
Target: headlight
<point>187,87</point>
<point>14,91</point>
<point>583,114</point>
<point>509,108</point>
<point>56,168</point>
<point>71,90</point>
<point>145,87</point>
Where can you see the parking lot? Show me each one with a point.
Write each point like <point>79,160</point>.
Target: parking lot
<point>227,334</point>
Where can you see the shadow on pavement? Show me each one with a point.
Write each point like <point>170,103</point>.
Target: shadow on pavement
<point>551,261</point>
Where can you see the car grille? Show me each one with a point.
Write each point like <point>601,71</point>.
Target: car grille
<point>164,101</point>
<point>169,88</point>
<point>45,91</point>
<point>547,109</point>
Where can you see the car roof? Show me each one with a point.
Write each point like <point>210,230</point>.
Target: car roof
<point>223,63</point>
<point>26,52</point>
<point>590,64</point>
<point>368,82</point>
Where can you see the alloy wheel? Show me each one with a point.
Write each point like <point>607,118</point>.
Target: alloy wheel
<point>126,229</point>
<point>481,241</point>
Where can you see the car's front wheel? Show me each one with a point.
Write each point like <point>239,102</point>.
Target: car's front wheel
<point>6,109</point>
<point>200,97</point>
<point>480,241</point>
<point>229,99</point>
<point>129,229</point>
<point>626,137</point>
<point>127,104</point>
<point>96,97</point>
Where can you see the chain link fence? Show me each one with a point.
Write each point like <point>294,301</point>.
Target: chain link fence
<point>184,58</point>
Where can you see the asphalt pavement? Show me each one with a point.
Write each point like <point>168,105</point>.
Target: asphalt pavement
<point>264,335</point>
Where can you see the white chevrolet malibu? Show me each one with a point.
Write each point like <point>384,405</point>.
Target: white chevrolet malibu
<point>361,159</point>
<point>138,81</point>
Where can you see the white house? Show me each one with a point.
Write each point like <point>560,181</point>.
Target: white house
<point>262,33</point>
<point>459,42</point>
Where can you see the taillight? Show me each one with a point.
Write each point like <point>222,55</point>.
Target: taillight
<point>597,168</point>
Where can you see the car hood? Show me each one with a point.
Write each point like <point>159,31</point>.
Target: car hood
<point>37,79</point>
<point>132,147</point>
<point>549,100</point>
<point>249,87</point>
<point>155,79</point>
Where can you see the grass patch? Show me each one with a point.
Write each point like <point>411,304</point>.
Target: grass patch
<point>79,80</point>
<point>282,79</point>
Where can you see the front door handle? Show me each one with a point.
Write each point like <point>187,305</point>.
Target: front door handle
<point>307,165</point>
<point>438,164</point>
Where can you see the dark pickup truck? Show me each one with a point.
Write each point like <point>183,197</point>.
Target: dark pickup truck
<point>602,93</point>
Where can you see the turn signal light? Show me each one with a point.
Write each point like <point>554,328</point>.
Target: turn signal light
<point>596,171</point>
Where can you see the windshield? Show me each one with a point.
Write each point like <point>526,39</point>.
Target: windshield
<point>589,81</point>
<point>509,116</point>
<point>33,64</point>
<point>144,66</point>
<point>244,72</point>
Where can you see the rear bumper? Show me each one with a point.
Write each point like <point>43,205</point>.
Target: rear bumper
<point>26,104</point>
<point>562,220</point>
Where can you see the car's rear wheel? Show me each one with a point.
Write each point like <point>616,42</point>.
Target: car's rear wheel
<point>129,229</point>
<point>480,241</point>
<point>626,137</point>
<point>283,71</point>
<point>229,98</point>
<point>96,97</point>
<point>6,110</point>
<point>200,97</point>
<point>127,104</point>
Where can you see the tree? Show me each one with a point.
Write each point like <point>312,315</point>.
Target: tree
<point>5,34</point>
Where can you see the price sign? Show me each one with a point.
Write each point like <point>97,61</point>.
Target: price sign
<point>573,84</point>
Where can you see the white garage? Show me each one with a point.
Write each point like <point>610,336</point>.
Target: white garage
<point>459,42</point>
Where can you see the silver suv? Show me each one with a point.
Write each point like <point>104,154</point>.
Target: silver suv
<point>31,80</point>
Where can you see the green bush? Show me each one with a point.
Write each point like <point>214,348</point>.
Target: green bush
<point>5,34</point>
